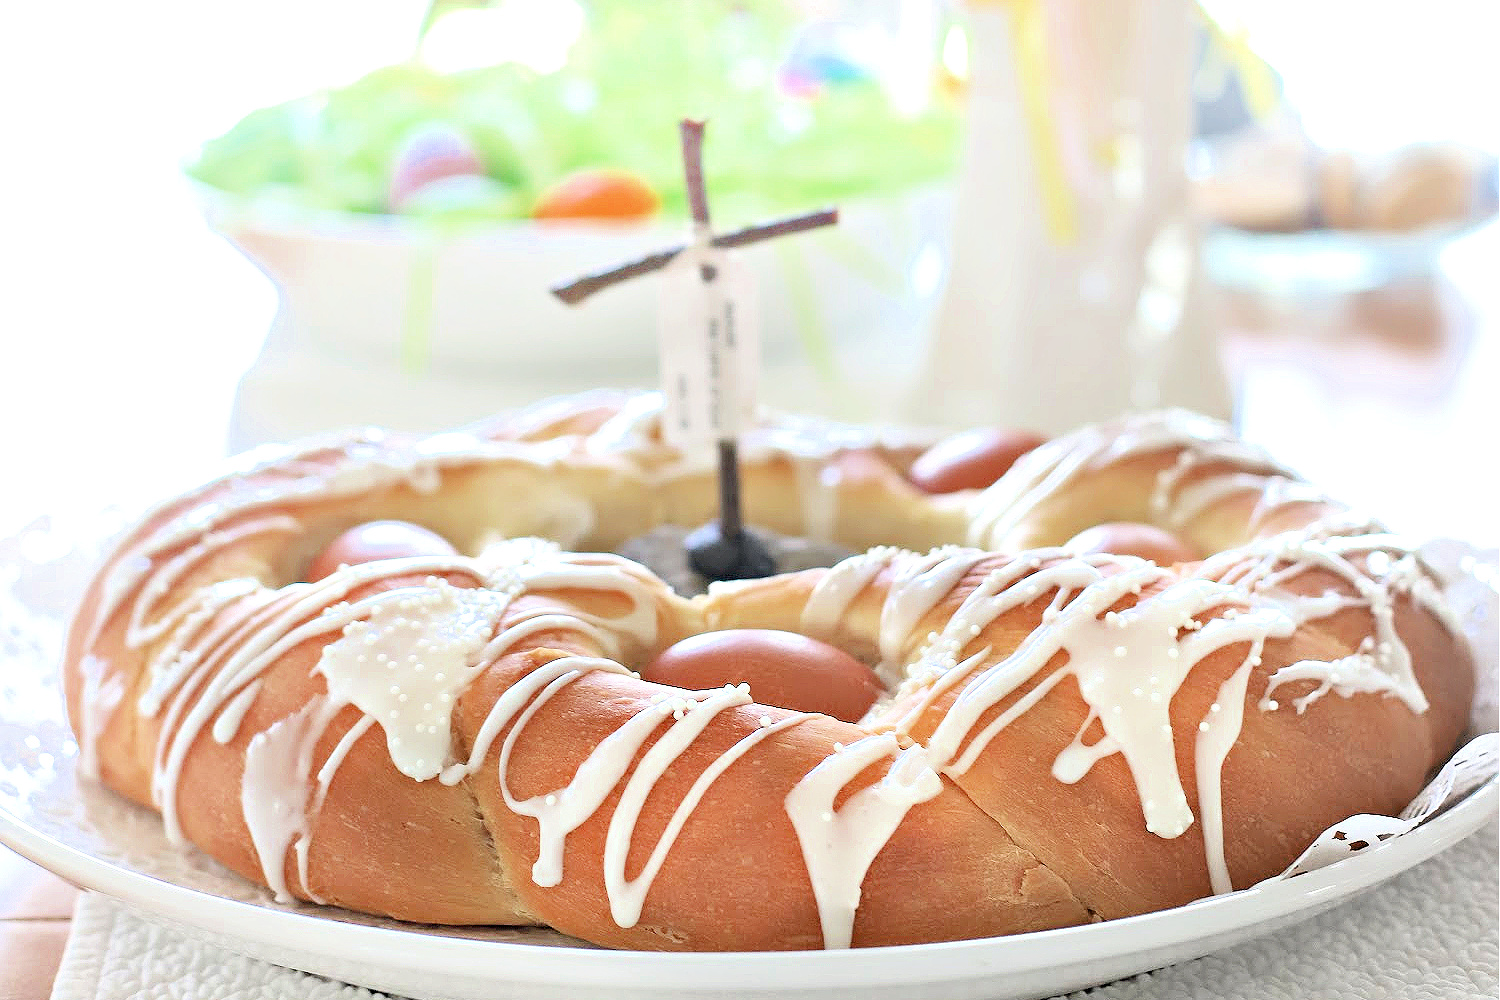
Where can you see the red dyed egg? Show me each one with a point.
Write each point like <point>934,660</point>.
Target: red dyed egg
<point>1129,538</point>
<point>971,460</point>
<point>597,194</point>
<point>374,541</point>
<point>782,668</point>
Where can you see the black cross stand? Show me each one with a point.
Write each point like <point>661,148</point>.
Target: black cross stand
<point>722,549</point>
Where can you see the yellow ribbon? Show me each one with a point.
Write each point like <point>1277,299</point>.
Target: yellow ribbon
<point>1257,81</point>
<point>1033,74</point>
<point>1028,31</point>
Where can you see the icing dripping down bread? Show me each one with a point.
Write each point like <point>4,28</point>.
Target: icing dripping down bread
<point>462,735</point>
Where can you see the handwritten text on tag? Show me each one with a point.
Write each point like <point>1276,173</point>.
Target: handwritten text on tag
<point>708,332</point>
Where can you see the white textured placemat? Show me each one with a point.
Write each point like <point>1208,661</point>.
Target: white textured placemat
<point>1430,934</point>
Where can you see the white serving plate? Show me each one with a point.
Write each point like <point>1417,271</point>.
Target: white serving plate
<point>463,964</point>
<point>96,839</point>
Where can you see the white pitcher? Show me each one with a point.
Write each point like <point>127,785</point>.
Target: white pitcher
<point>1075,291</point>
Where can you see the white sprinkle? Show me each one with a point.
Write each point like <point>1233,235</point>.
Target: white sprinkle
<point>1273,704</point>
<point>765,720</point>
<point>837,747</point>
<point>1214,707</point>
<point>1203,726</point>
<point>1121,651</point>
<point>551,800</point>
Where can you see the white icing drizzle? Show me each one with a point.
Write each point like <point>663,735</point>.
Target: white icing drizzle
<point>840,585</point>
<point>404,657</point>
<point>228,721</point>
<point>562,810</point>
<point>818,496</point>
<point>1279,493</point>
<point>218,639</point>
<point>1128,665</point>
<point>1179,497</point>
<point>1002,509</point>
<point>273,791</point>
<point>200,628</point>
<point>516,695</point>
<point>430,641</point>
<point>140,630</point>
<point>320,470</point>
<point>303,844</point>
<point>633,433</point>
<point>1001,512</point>
<point>916,588</point>
<point>1217,734</point>
<point>628,896</point>
<point>839,845</point>
<point>1382,664</point>
<point>1198,496</point>
<point>635,427</point>
<point>300,612</point>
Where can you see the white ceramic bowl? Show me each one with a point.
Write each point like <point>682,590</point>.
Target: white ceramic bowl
<point>384,320</point>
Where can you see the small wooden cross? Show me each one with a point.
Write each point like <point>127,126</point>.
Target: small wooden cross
<point>722,549</point>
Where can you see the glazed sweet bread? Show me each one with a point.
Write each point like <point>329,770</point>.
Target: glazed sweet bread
<point>461,734</point>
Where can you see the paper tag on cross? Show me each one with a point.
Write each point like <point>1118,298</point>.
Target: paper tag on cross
<point>708,333</point>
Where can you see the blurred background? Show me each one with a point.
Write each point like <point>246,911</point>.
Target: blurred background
<point>235,223</point>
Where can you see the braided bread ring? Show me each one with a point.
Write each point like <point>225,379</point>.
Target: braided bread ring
<point>461,738</point>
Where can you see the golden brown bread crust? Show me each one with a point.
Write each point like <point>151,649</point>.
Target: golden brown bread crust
<point>995,846</point>
<point>738,867</point>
